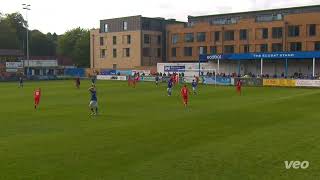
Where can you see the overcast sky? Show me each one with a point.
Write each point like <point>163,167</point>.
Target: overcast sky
<point>62,15</point>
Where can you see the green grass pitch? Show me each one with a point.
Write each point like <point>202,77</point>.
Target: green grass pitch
<point>141,134</point>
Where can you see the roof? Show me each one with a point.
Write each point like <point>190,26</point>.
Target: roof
<point>268,55</point>
<point>255,12</point>
<point>11,52</point>
<point>140,16</point>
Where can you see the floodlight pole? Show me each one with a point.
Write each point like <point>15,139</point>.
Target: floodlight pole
<point>27,8</point>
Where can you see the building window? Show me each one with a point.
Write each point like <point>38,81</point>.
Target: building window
<point>188,37</point>
<point>277,47</point>
<point>201,36</point>
<point>159,39</point>
<point>246,48</point>
<point>187,51</point>
<point>243,34</point>
<point>174,52</point>
<point>296,46</point>
<point>128,39</point>
<point>146,25</point>
<point>146,52</point>
<point>114,53</point>
<point>114,66</point>
<point>264,48</point>
<point>312,30</point>
<point>158,52</point>
<point>294,31</point>
<point>317,46</point>
<point>213,50</point>
<point>269,17</point>
<point>125,25</point>
<point>126,52</point>
<point>102,53</point>
<point>106,28</point>
<point>265,33</point>
<point>223,21</point>
<point>229,49</point>
<point>146,39</point>
<point>217,36</point>
<point>229,35</point>
<point>277,32</point>
<point>202,50</point>
<point>114,40</point>
<point>175,38</point>
<point>101,41</point>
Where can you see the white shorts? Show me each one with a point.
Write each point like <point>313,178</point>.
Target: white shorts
<point>194,88</point>
<point>93,104</point>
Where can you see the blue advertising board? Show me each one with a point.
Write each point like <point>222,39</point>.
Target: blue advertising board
<point>174,68</point>
<point>108,72</point>
<point>218,81</point>
<point>74,72</point>
<point>275,55</point>
<point>124,72</point>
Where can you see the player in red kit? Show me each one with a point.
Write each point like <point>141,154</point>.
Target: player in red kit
<point>185,95</point>
<point>238,85</point>
<point>37,96</point>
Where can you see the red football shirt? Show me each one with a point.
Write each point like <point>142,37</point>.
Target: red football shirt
<point>184,91</point>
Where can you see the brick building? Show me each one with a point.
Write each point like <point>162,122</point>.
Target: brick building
<point>129,42</point>
<point>289,29</point>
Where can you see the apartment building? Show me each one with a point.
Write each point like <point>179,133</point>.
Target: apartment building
<point>276,30</point>
<point>129,42</point>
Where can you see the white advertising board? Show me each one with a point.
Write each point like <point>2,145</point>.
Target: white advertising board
<point>14,65</point>
<point>41,63</point>
<point>307,83</point>
<point>110,77</point>
<point>146,72</point>
<point>12,70</point>
<point>187,68</point>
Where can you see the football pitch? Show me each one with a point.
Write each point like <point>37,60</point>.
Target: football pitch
<point>142,134</point>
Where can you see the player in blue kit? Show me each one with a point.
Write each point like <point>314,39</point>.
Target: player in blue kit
<point>93,105</point>
<point>194,87</point>
<point>169,89</point>
<point>157,80</point>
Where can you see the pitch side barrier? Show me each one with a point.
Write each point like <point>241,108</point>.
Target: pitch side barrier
<point>277,82</point>
<point>291,83</point>
<point>226,81</point>
<point>255,82</point>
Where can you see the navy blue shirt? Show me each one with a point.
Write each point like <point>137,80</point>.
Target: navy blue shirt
<point>194,84</point>
<point>170,84</point>
<point>93,95</point>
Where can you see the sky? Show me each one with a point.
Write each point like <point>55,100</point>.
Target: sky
<point>62,15</point>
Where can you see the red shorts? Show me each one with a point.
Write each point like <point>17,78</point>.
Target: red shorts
<point>185,98</point>
<point>238,88</point>
<point>37,100</point>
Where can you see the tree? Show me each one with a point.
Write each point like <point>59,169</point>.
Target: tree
<point>75,44</point>
<point>17,22</point>
<point>41,44</point>
<point>8,38</point>
<point>81,51</point>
